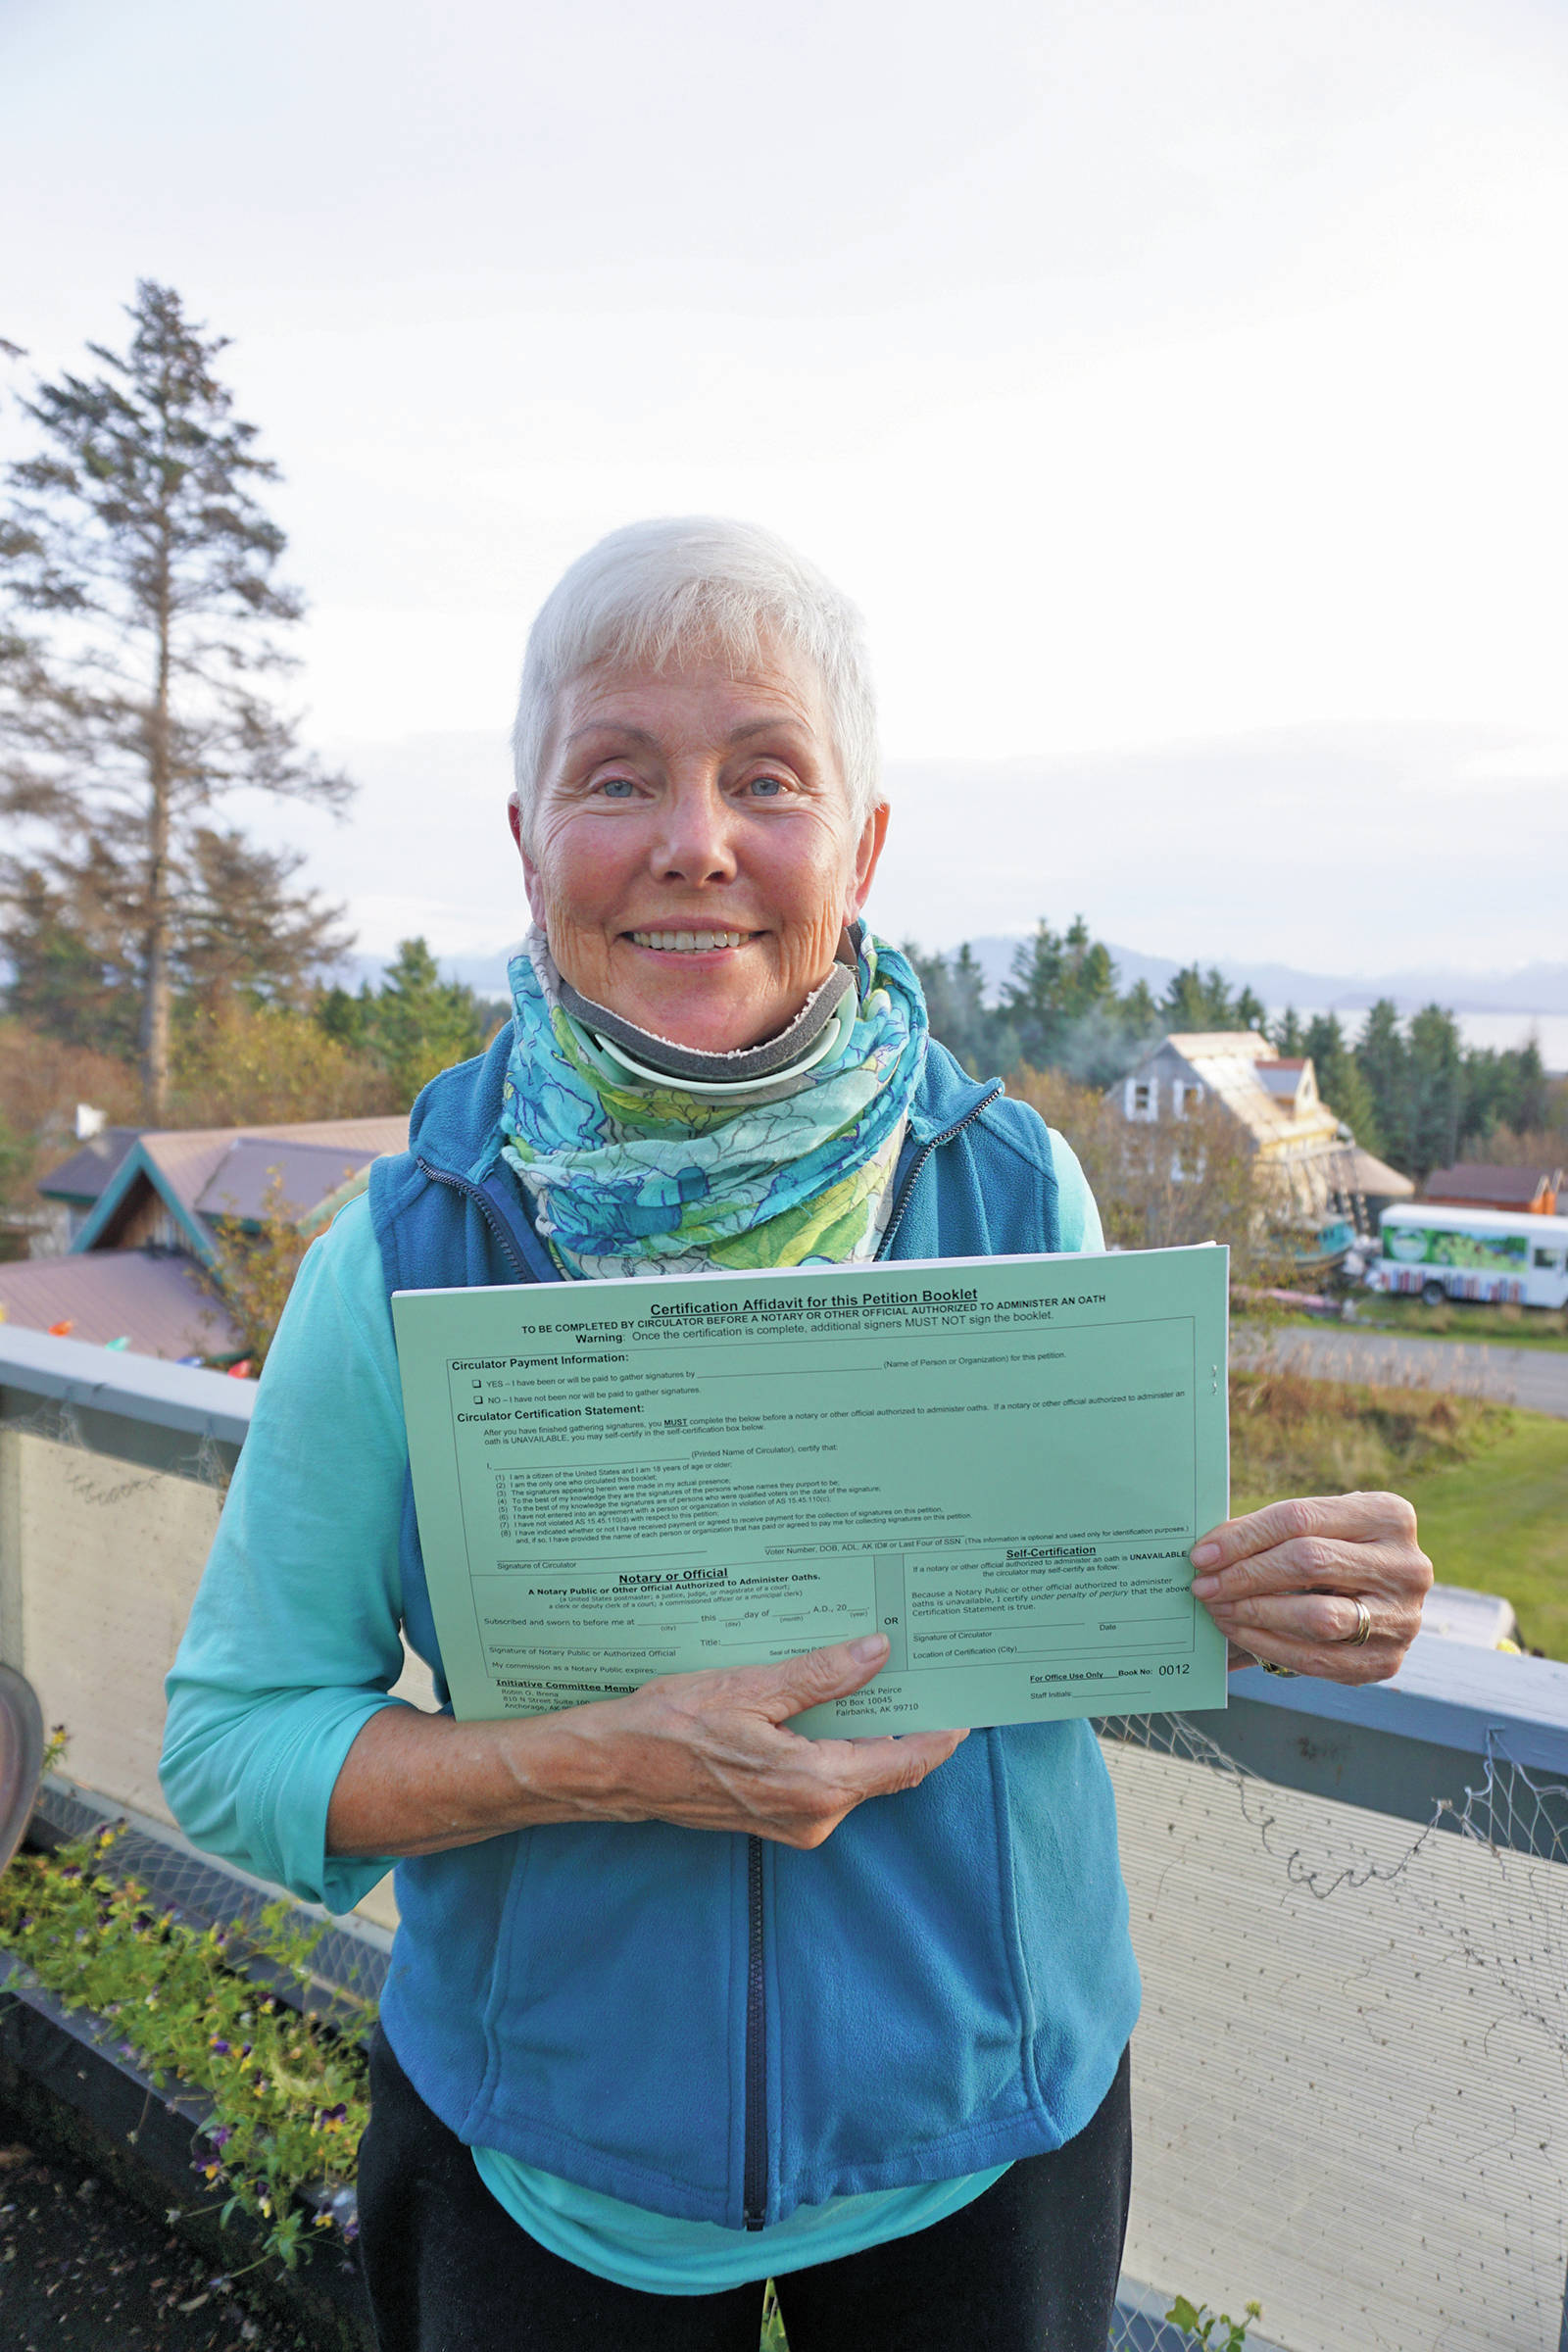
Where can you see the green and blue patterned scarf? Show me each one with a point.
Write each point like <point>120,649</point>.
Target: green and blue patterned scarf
<point>633,1176</point>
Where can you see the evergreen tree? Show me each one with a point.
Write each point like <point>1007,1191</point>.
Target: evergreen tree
<point>1437,1084</point>
<point>1197,1001</point>
<point>1340,1081</point>
<point>239,928</point>
<point>1527,1104</point>
<point>1249,1011</point>
<point>70,943</point>
<point>1383,1058</point>
<point>75,943</point>
<point>1059,1006</point>
<point>129,700</point>
<point>1286,1036</point>
<point>1140,1014</point>
<point>955,996</point>
<point>1507,1089</point>
<point>971,1016</point>
<point>1323,1042</point>
<point>1088,975</point>
<point>1032,996</point>
<point>414,1025</point>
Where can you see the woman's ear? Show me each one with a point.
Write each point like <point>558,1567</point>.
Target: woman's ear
<point>531,881</point>
<point>867,857</point>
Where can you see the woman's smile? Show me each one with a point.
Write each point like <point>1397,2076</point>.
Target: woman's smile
<point>691,943</point>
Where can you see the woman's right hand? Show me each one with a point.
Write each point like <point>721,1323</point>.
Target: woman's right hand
<point>710,1750</point>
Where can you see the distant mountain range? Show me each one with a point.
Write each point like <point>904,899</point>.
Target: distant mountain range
<point>1535,988</point>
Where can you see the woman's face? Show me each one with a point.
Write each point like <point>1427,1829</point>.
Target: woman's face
<point>692,858</point>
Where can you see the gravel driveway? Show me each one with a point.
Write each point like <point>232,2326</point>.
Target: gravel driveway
<point>1536,1378</point>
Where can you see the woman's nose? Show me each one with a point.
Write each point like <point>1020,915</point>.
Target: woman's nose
<point>695,842</point>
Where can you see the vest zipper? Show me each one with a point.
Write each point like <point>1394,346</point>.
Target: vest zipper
<point>753,2179</point>
<point>920,1158</point>
<point>475,1194</point>
<point>754,2182</point>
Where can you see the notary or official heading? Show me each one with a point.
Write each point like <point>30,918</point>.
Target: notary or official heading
<point>1001,1462</point>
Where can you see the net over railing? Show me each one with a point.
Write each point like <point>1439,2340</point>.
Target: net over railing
<point>1350,2070</point>
<point>1350,2078</point>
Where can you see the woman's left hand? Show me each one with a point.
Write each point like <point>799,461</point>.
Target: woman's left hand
<point>1283,1585</point>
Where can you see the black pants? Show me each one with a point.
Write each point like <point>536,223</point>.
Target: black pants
<point>1029,2267</point>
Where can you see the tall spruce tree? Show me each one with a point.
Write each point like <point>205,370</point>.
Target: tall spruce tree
<point>1060,992</point>
<point>415,1024</point>
<point>1383,1058</point>
<point>1033,992</point>
<point>145,612</point>
<point>1340,1081</point>
<point>953,987</point>
<point>1436,1089</point>
<point>1200,1001</point>
<point>1504,1087</point>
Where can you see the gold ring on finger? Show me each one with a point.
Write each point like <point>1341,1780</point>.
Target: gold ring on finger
<point>1363,1626</point>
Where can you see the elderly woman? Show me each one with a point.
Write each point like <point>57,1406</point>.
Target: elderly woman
<point>682,2000</point>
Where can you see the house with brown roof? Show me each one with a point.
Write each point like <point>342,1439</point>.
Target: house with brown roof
<point>1312,1174</point>
<point>1478,1183</point>
<point>72,1189</point>
<point>146,1210</point>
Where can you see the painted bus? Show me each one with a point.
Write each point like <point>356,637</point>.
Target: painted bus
<point>1503,1256</point>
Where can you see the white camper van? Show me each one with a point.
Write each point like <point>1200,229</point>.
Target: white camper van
<point>1503,1256</point>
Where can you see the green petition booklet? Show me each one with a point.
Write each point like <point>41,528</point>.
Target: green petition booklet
<point>1001,1462</point>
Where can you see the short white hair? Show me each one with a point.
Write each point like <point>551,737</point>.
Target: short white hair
<point>654,590</point>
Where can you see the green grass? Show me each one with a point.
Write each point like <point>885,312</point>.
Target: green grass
<point>1291,1435</point>
<point>1500,1522</point>
<point>1490,1482</point>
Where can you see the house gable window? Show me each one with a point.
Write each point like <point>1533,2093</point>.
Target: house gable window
<point>1142,1100</point>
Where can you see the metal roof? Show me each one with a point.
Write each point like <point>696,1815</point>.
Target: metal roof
<point>1288,1080</point>
<point>1486,1183</point>
<point>155,1299</point>
<point>304,1174</point>
<point>84,1174</point>
<point>191,1158</point>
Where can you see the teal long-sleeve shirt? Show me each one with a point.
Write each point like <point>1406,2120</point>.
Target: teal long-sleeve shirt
<point>293,1641</point>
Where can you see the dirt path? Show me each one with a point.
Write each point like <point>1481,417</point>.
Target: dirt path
<point>83,2271</point>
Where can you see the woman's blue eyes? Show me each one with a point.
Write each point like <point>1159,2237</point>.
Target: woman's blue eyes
<point>623,788</point>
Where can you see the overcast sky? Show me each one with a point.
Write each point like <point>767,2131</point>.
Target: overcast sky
<point>1182,389</point>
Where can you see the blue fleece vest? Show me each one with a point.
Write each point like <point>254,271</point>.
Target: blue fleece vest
<point>946,1984</point>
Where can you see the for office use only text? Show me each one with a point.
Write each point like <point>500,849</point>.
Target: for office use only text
<point>999,1462</point>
